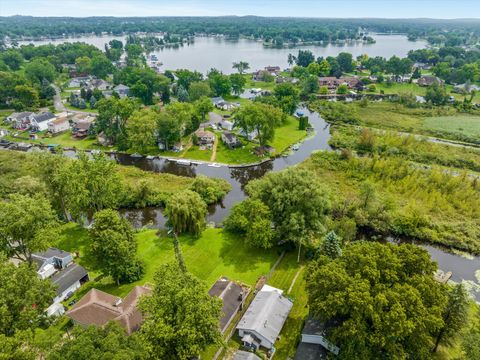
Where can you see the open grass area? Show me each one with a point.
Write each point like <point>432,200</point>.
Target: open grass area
<point>282,278</point>
<point>195,153</point>
<point>215,253</point>
<point>287,135</point>
<point>463,124</point>
<point>399,88</point>
<point>243,155</point>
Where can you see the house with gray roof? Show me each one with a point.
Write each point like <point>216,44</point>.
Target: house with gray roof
<point>122,90</point>
<point>40,121</point>
<point>20,120</point>
<point>314,344</point>
<point>264,319</point>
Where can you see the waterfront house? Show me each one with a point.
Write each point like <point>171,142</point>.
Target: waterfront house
<point>122,90</point>
<point>226,125</point>
<point>82,123</point>
<point>264,319</point>
<point>252,135</point>
<point>98,308</point>
<point>204,137</point>
<point>332,82</point>
<point>233,296</point>
<point>230,140</point>
<point>39,122</point>
<point>58,266</point>
<point>21,120</point>
<point>429,80</point>
<point>58,125</point>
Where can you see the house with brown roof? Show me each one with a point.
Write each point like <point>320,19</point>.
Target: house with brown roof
<point>98,308</point>
<point>429,80</point>
<point>204,137</point>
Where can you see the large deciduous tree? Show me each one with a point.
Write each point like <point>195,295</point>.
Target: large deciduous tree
<point>241,66</point>
<point>180,318</point>
<point>142,130</point>
<point>114,247</point>
<point>39,69</point>
<point>27,225</point>
<point>287,96</point>
<point>186,212</point>
<point>297,201</point>
<point>382,298</point>
<point>238,82</point>
<point>23,297</point>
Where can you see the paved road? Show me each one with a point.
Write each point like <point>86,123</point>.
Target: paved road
<point>57,100</point>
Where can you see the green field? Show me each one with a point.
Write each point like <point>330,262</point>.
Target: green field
<point>216,253</point>
<point>463,124</point>
<point>242,155</point>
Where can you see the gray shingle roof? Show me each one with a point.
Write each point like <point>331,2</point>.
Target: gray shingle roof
<point>266,314</point>
<point>245,355</point>
<point>50,253</point>
<point>68,276</point>
<point>44,117</point>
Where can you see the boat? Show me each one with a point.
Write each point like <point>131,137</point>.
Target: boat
<point>214,165</point>
<point>295,147</point>
<point>150,157</point>
<point>136,155</point>
<point>184,162</point>
<point>95,152</point>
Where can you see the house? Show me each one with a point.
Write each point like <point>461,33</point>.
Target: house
<point>420,99</point>
<point>226,125</point>
<point>466,88</point>
<point>252,135</point>
<point>122,90</point>
<point>58,125</point>
<point>58,266</point>
<point>204,137</point>
<point>98,308</point>
<point>421,66</point>
<point>39,122</point>
<point>272,69</point>
<point>100,84</point>
<point>20,120</point>
<point>217,100</point>
<point>233,296</point>
<point>245,355</point>
<point>314,344</point>
<point>82,124</point>
<point>262,322</point>
<point>230,140</point>
<point>332,82</point>
<point>429,80</point>
<point>79,81</point>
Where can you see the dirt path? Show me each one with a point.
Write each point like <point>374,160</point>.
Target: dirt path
<point>214,149</point>
<point>294,280</point>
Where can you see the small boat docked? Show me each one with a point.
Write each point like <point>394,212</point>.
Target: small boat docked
<point>184,162</point>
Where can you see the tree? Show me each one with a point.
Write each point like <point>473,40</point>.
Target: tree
<point>114,247</point>
<point>342,89</point>
<point>186,212</point>
<point>179,308</point>
<point>198,90</point>
<point>144,83</point>
<point>94,343</point>
<point>39,69</point>
<point>17,347</point>
<point>27,225</point>
<point>297,201</point>
<point>27,96</point>
<point>437,95</point>
<point>211,190</point>
<point>101,66</point>
<point>331,246</point>
<point>310,85</point>
<point>203,106</point>
<point>455,316</point>
<point>23,297</point>
<point>219,83</point>
<point>345,62</point>
<point>187,77</point>
<point>141,130</point>
<point>83,65</point>
<point>314,68</point>
<point>169,128</point>
<point>253,220</point>
<point>259,117</point>
<point>382,298</point>
<point>112,117</point>
<point>241,66</point>
<point>304,58</point>
<point>291,59</point>
<point>12,58</point>
<point>324,68</point>
<point>471,338</point>
<point>182,94</point>
<point>287,96</point>
<point>238,82</point>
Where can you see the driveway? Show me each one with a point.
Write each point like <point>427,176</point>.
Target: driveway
<point>57,100</point>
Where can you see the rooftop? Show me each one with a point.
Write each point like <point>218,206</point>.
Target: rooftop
<point>98,308</point>
<point>68,276</point>
<point>232,295</point>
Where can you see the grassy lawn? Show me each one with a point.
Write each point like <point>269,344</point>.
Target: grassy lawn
<point>195,153</point>
<point>236,156</point>
<point>282,278</point>
<point>214,254</point>
<point>287,135</point>
<point>87,109</point>
<point>65,140</point>
<point>398,88</point>
<point>463,124</point>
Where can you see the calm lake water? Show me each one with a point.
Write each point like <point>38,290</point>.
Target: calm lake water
<point>216,52</point>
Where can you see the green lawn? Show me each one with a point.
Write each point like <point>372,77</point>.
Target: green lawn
<point>282,278</point>
<point>196,154</point>
<point>287,135</point>
<point>216,253</point>
<point>463,124</point>
<point>396,88</point>
<point>236,156</point>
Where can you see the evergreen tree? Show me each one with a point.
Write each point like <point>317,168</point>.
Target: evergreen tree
<point>332,245</point>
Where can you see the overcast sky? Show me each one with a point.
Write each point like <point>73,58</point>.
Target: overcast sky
<point>445,9</point>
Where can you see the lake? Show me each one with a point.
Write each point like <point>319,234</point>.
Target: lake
<point>205,53</point>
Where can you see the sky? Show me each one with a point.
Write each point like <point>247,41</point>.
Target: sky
<point>440,9</point>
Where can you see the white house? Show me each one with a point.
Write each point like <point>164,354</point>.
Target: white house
<point>264,319</point>
<point>58,125</point>
<point>39,122</point>
<point>122,90</point>
<point>20,120</point>
<point>226,125</point>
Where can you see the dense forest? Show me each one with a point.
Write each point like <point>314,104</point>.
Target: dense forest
<point>453,32</point>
